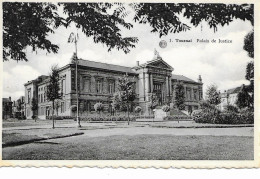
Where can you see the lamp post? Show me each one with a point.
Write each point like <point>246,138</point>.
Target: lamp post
<point>74,38</point>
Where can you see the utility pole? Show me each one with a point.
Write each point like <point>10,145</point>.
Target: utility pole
<point>74,38</point>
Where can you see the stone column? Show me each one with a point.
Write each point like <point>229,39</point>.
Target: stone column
<point>151,83</point>
<point>192,94</point>
<point>93,84</point>
<point>147,85</point>
<point>185,92</point>
<point>167,86</point>
<point>170,85</point>
<point>105,86</point>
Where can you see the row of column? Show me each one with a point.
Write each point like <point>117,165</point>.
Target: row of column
<point>191,93</point>
<point>149,84</point>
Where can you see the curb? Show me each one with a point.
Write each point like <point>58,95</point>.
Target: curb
<point>11,144</point>
<point>188,127</point>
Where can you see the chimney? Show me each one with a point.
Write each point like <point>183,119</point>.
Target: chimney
<point>137,63</point>
<point>10,99</point>
<point>199,79</point>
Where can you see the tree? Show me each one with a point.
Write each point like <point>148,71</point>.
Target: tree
<point>126,89</point>
<point>19,105</point>
<point>34,107</point>
<point>244,98</point>
<point>164,17</point>
<point>249,44</point>
<point>213,96</point>
<point>116,100</point>
<point>29,24</point>
<point>180,95</point>
<point>53,89</point>
<point>57,106</point>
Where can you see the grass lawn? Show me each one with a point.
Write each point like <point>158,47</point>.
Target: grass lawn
<point>136,147</point>
<point>18,137</point>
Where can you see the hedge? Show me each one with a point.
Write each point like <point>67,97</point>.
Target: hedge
<point>245,117</point>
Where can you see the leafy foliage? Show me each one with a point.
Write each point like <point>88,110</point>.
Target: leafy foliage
<point>126,87</point>
<point>166,108</point>
<point>153,102</point>
<point>95,20</point>
<point>126,94</point>
<point>249,44</point>
<point>34,106</point>
<point>180,96</point>
<point>28,24</point>
<point>53,88</point>
<point>244,99</point>
<point>164,17</point>
<point>213,96</point>
<point>209,113</point>
<point>231,108</point>
<point>138,109</point>
<point>19,105</point>
<point>98,107</point>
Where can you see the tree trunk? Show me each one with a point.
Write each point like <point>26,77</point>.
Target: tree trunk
<point>53,114</point>
<point>128,114</point>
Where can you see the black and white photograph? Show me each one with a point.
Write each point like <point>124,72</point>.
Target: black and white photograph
<point>128,81</point>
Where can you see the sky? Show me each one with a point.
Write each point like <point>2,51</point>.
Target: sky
<point>222,64</point>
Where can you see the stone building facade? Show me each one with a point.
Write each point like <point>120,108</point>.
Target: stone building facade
<point>229,97</point>
<point>97,82</point>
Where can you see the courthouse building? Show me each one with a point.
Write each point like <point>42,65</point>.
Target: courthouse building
<point>97,82</point>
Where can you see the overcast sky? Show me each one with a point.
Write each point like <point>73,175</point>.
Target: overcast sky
<point>221,64</point>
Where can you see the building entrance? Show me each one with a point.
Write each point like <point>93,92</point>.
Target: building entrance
<point>157,89</point>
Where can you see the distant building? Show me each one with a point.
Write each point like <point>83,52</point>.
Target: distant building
<point>6,108</point>
<point>18,107</point>
<point>97,82</point>
<point>229,97</point>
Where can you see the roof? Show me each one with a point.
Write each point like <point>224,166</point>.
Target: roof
<point>6,100</point>
<point>234,90</point>
<point>106,66</point>
<point>183,78</point>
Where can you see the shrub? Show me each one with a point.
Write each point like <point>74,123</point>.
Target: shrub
<point>231,108</point>
<point>182,107</point>
<point>166,108</point>
<point>98,107</point>
<point>55,117</point>
<point>176,117</point>
<point>108,118</point>
<point>244,117</point>
<point>138,109</point>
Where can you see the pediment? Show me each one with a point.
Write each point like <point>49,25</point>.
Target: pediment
<point>159,64</point>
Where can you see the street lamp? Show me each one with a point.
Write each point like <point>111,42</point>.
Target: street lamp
<point>73,38</point>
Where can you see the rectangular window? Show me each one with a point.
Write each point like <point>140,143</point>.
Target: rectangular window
<point>111,87</point>
<point>86,85</point>
<point>195,95</point>
<point>41,98</point>
<point>29,96</point>
<point>99,86</point>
